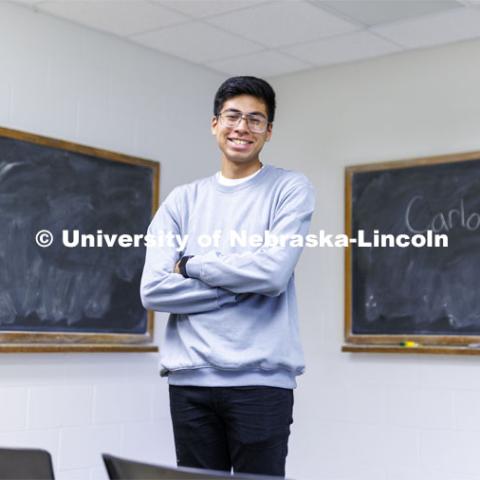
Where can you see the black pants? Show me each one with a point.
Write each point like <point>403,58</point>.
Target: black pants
<point>218,428</point>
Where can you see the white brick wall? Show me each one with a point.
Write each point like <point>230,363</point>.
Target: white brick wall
<point>67,82</point>
<point>77,406</point>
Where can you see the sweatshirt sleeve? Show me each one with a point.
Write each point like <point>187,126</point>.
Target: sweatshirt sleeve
<point>267,270</point>
<point>161,289</point>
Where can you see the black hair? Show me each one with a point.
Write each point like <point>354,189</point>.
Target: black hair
<point>257,87</point>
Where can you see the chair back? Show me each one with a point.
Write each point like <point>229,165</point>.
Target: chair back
<point>123,469</point>
<point>25,463</point>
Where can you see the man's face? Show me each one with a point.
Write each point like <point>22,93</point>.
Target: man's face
<point>239,144</point>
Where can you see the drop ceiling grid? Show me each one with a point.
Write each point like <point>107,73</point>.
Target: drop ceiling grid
<point>274,37</point>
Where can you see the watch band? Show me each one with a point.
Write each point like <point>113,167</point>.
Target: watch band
<point>183,264</point>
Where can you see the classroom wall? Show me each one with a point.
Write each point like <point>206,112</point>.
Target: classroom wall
<point>370,416</point>
<point>72,83</point>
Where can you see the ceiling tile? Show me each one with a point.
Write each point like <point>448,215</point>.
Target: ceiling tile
<point>282,23</point>
<point>25,2</point>
<point>206,8</point>
<point>382,11</point>
<point>118,17</point>
<point>197,42</point>
<point>263,64</point>
<point>343,48</point>
<point>446,27</point>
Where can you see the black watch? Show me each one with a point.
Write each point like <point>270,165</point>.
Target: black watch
<point>182,264</point>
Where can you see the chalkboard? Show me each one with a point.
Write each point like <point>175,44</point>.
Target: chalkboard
<point>428,294</point>
<point>66,295</point>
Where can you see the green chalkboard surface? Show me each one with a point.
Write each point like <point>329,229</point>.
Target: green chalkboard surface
<point>60,294</point>
<point>429,294</point>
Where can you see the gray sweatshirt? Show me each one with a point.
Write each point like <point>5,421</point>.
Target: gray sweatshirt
<point>234,322</point>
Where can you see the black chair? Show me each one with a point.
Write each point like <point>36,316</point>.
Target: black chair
<point>25,463</point>
<point>123,469</point>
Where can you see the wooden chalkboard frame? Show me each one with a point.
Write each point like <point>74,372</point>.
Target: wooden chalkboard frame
<point>45,342</point>
<point>424,344</point>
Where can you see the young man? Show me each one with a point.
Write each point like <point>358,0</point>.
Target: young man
<point>232,349</point>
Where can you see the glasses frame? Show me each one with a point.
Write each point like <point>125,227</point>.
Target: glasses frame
<point>246,116</point>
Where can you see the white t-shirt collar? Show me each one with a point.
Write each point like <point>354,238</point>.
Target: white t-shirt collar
<point>231,182</point>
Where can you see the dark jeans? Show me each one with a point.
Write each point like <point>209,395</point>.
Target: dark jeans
<point>218,428</point>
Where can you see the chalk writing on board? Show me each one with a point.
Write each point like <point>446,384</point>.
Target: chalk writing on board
<point>442,221</point>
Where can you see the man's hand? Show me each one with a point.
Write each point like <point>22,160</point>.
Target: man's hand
<point>177,269</point>
<point>180,266</point>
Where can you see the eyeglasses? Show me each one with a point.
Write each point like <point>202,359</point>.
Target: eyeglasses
<point>256,122</point>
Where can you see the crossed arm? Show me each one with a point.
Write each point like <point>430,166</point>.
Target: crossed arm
<point>209,281</point>
<point>163,290</point>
